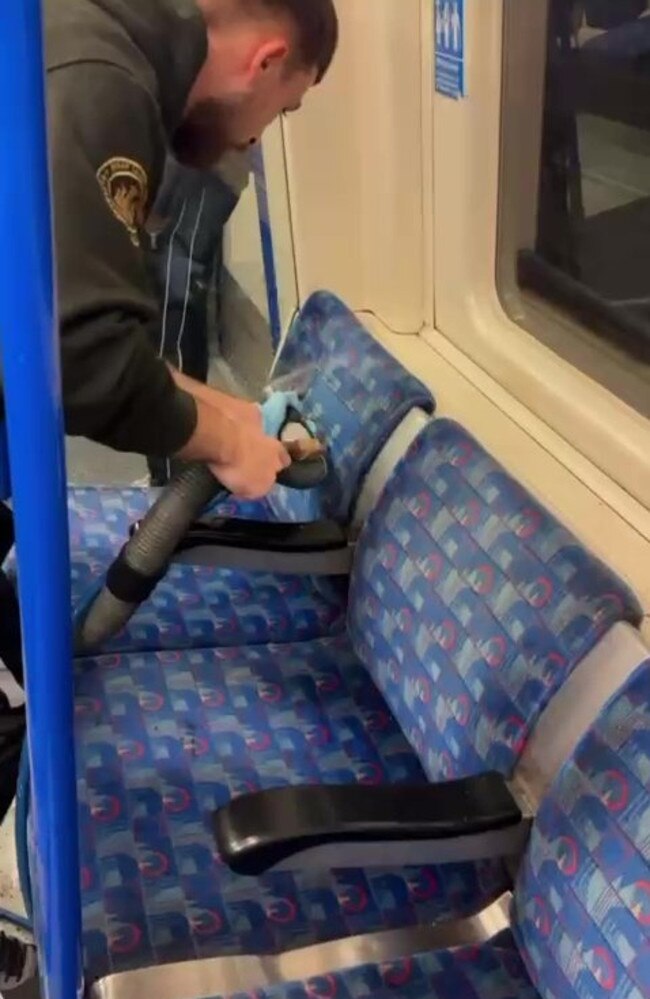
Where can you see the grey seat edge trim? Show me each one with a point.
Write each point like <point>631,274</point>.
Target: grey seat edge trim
<point>385,463</point>
<point>576,706</point>
<point>226,975</point>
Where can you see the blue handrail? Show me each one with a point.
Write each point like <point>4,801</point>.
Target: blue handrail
<point>32,394</point>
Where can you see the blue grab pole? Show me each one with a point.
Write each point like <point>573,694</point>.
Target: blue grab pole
<point>32,393</point>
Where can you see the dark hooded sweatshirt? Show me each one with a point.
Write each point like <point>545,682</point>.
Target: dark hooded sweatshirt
<point>118,76</point>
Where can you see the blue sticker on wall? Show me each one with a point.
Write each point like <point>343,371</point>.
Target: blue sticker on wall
<point>450,47</point>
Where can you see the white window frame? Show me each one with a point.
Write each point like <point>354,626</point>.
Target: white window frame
<point>468,310</point>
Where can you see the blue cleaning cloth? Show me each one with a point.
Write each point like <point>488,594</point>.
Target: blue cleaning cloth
<point>274,411</point>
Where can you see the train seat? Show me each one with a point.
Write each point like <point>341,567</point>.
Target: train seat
<point>203,605</point>
<point>368,408</point>
<point>470,608</point>
<point>352,389</point>
<point>581,909</point>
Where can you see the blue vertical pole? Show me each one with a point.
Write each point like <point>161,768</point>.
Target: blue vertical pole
<point>32,393</point>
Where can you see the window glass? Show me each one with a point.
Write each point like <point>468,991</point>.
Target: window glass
<point>591,252</point>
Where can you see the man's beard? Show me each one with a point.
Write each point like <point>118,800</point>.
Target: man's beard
<point>202,137</point>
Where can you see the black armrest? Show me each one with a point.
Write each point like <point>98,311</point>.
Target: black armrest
<point>259,831</point>
<point>255,535</point>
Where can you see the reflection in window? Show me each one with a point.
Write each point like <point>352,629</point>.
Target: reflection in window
<point>592,253</point>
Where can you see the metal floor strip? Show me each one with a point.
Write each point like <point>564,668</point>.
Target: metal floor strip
<point>208,977</point>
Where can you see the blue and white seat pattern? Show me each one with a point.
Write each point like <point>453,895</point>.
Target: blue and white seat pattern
<point>470,605</point>
<point>581,910</point>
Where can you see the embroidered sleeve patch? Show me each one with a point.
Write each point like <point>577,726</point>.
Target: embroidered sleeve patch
<point>125,186</point>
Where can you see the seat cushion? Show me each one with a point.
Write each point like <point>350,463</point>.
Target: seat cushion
<point>485,972</point>
<point>472,604</point>
<point>163,739</point>
<point>100,517</point>
<point>196,606</point>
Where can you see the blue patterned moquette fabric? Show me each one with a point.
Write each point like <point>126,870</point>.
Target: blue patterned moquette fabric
<point>582,905</point>
<point>471,604</point>
<point>163,739</point>
<point>466,973</point>
<point>357,396</point>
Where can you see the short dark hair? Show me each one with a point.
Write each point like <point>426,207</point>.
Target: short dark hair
<point>317,28</point>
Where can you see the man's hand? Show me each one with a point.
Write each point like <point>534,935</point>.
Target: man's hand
<point>230,438</point>
<point>255,464</point>
<point>241,456</point>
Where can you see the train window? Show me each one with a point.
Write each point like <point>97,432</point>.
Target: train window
<point>575,265</point>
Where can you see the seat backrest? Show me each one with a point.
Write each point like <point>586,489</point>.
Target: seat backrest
<point>356,394</point>
<point>581,911</point>
<point>471,605</point>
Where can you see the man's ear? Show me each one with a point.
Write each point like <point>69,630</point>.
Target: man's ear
<point>270,55</point>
